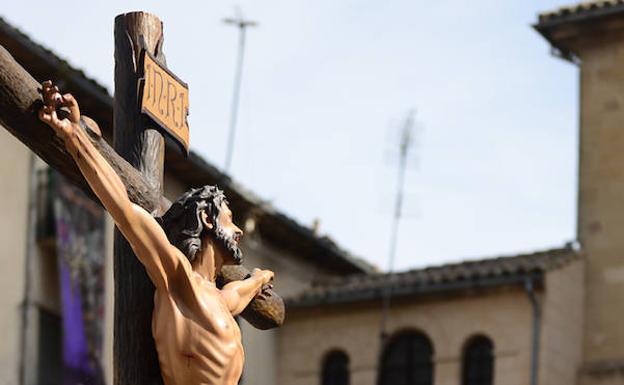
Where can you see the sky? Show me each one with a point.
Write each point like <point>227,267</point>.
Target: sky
<point>326,87</point>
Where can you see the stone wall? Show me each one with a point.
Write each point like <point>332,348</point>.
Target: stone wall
<point>292,275</point>
<point>601,190</point>
<point>504,315</point>
<point>561,353</point>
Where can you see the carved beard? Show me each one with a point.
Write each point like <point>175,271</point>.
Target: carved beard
<point>228,244</point>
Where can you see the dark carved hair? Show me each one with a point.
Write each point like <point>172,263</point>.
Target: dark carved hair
<point>183,225</point>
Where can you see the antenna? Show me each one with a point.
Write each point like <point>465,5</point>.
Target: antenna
<point>242,25</point>
<point>405,144</point>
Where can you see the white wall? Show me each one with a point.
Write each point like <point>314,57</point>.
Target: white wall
<point>14,193</point>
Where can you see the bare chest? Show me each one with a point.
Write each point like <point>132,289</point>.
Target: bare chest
<point>197,335</point>
<point>206,316</point>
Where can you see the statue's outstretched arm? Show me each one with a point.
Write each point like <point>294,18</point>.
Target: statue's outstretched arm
<point>163,262</point>
<point>238,294</point>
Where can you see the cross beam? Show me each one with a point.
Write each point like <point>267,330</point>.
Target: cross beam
<point>20,102</point>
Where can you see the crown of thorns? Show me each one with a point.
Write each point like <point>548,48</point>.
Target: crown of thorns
<point>182,222</point>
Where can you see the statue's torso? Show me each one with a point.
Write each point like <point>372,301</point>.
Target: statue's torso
<point>197,343</point>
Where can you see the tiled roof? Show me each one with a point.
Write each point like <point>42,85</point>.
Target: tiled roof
<point>582,10</point>
<point>450,277</point>
<point>96,102</point>
<point>560,26</point>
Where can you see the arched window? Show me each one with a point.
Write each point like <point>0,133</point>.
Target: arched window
<point>336,369</point>
<point>478,362</point>
<point>407,360</point>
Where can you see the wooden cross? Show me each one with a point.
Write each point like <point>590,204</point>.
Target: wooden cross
<point>138,159</point>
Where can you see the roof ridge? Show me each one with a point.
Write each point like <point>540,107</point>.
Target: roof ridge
<point>583,8</point>
<point>446,277</point>
<point>497,258</point>
<point>18,33</point>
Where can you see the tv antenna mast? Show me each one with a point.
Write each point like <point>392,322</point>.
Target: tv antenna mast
<point>242,25</point>
<point>405,145</point>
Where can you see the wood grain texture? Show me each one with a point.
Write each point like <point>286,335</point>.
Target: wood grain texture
<point>134,350</point>
<point>19,103</point>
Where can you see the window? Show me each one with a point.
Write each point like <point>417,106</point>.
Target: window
<point>50,355</point>
<point>336,369</point>
<point>407,359</point>
<point>478,362</point>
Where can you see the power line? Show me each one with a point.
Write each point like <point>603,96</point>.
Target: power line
<point>242,26</point>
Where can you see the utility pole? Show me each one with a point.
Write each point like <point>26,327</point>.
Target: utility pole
<point>404,148</point>
<point>242,25</point>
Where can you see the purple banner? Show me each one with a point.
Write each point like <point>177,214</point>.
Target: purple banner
<point>80,245</point>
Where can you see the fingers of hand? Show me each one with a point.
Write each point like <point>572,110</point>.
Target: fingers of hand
<point>45,87</point>
<point>265,292</point>
<point>46,95</point>
<point>48,115</point>
<point>54,118</point>
<point>70,102</point>
<point>48,89</point>
<point>51,95</point>
<point>45,113</point>
<point>44,116</point>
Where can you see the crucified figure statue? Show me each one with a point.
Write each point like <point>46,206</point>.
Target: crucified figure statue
<point>197,339</point>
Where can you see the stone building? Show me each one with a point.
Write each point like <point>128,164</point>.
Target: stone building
<point>434,316</point>
<point>547,318</point>
<point>30,298</point>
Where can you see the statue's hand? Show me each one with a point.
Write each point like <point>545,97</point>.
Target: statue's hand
<point>52,99</point>
<point>266,276</point>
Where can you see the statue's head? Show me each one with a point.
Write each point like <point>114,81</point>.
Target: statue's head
<point>201,213</point>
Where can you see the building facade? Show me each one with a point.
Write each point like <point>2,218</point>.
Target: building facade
<point>448,307</point>
<point>558,322</point>
<point>546,318</point>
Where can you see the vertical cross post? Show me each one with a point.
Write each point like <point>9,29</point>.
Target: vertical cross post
<point>136,140</point>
